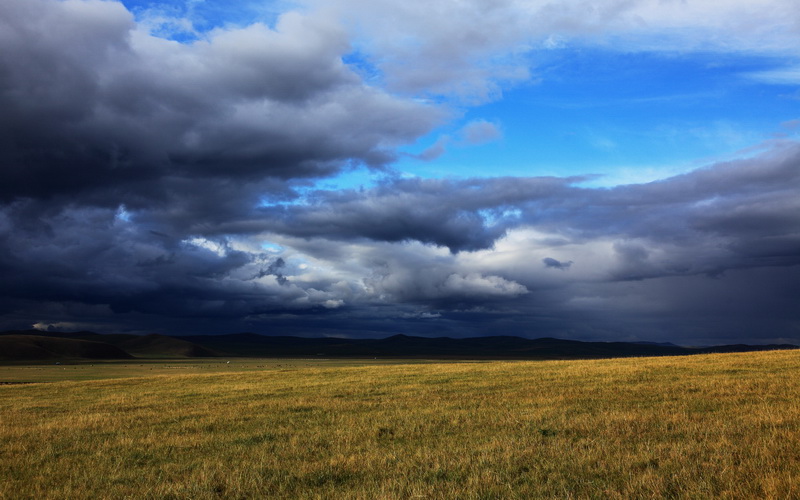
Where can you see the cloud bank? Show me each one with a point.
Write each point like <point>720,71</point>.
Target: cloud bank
<point>148,184</point>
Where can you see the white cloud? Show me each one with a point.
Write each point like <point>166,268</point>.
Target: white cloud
<point>782,76</point>
<point>212,246</point>
<point>472,50</point>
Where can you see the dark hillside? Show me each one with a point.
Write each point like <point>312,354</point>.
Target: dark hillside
<point>34,347</point>
<point>161,346</point>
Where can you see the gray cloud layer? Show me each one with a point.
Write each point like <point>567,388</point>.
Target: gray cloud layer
<point>726,236</point>
<point>151,185</point>
<point>94,108</point>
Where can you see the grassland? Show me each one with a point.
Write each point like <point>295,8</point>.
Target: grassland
<point>723,426</point>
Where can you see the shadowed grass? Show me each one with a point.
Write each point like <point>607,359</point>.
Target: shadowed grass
<point>723,426</point>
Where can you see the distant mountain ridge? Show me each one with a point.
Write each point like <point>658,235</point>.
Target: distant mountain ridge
<point>37,345</point>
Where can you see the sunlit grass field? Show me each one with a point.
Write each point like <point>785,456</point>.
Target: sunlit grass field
<point>723,426</point>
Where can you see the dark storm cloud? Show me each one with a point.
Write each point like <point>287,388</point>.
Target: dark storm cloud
<point>457,214</point>
<point>91,104</point>
<point>102,123</point>
<point>744,213</point>
<point>88,266</point>
<point>711,231</point>
<point>631,248</point>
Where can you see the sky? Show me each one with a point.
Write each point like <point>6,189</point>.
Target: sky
<point>619,170</point>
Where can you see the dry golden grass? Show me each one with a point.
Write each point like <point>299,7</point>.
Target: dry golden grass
<point>723,426</point>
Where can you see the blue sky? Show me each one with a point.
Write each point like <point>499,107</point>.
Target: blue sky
<point>627,117</point>
<point>631,117</point>
<point>586,169</point>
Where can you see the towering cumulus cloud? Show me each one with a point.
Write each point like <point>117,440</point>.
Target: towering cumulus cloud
<point>152,180</point>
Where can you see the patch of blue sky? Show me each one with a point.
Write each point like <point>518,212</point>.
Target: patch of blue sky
<point>122,214</point>
<point>300,199</point>
<point>271,247</point>
<point>363,66</point>
<point>354,178</point>
<point>494,217</point>
<point>629,117</point>
<point>187,20</point>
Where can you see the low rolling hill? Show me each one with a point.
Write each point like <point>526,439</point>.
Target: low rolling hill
<point>17,347</point>
<point>35,345</point>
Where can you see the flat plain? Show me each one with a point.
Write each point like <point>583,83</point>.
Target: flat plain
<point>701,426</point>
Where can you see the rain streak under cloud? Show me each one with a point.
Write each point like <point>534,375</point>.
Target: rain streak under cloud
<point>589,170</point>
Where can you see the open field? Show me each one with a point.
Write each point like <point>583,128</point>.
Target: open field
<point>723,425</point>
<point>25,372</point>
